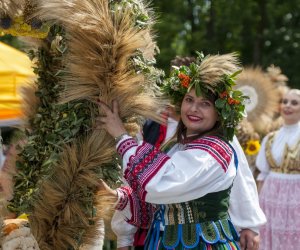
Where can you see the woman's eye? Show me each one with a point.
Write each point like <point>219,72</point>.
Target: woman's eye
<point>294,102</point>
<point>205,103</point>
<point>188,99</point>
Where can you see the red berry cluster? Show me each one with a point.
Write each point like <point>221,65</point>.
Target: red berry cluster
<point>233,101</point>
<point>184,79</point>
<point>229,99</point>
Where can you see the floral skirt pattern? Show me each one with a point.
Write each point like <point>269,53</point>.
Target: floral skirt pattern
<point>280,201</point>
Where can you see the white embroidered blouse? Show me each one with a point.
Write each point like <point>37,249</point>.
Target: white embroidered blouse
<point>188,172</point>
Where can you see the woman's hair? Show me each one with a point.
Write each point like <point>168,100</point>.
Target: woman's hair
<point>294,91</point>
<point>216,130</point>
<point>291,91</point>
<point>180,61</point>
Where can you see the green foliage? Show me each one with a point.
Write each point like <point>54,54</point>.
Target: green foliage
<point>51,127</point>
<point>146,67</point>
<point>263,32</point>
<point>282,38</point>
<point>140,15</point>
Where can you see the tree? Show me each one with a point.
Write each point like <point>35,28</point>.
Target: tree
<point>262,34</point>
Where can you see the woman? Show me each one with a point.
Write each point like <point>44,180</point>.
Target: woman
<point>191,184</point>
<point>279,164</point>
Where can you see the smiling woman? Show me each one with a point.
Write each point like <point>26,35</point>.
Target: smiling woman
<point>279,164</point>
<point>190,184</point>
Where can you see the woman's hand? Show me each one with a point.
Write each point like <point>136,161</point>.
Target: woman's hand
<point>249,240</point>
<point>111,122</point>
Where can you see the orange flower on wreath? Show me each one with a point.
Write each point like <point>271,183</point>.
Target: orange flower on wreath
<point>223,94</point>
<point>184,79</point>
<point>233,101</point>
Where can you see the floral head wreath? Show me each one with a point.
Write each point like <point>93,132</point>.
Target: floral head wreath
<point>211,75</point>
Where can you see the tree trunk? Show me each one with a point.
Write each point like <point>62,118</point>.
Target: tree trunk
<point>210,30</point>
<point>259,41</point>
<point>190,18</point>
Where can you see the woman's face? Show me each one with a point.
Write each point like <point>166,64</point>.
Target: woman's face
<point>290,108</point>
<point>198,114</point>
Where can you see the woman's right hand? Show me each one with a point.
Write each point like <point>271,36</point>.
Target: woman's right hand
<point>111,121</point>
<point>249,240</point>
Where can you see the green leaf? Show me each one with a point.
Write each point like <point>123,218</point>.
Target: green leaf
<point>219,103</point>
<point>229,133</point>
<point>225,113</point>
<point>243,113</point>
<point>200,55</point>
<point>198,88</point>
<point>236,73</point>
<point>194,69</point>
<point>227,107</point>
<point>236,94</point>
<point>191,86</point>
<point>51,160</point>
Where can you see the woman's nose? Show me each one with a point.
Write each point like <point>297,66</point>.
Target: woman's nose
<point>194,107</point>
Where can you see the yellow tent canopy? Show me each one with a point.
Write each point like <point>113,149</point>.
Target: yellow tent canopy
<point>15,71</point>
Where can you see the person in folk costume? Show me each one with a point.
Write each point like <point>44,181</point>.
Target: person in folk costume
<point>190,185</point>
<point>279,165</point>
<point>133,232</point>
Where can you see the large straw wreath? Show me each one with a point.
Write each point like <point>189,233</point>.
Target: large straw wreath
<point>95,49</point>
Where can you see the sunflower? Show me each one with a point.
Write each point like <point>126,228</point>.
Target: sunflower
<point>252,147</point>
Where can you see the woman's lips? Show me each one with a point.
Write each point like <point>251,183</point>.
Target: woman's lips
<point>194,118</point>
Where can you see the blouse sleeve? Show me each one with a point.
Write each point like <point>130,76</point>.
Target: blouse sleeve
<point>244,208</point>
<point>137,212</point>
<point>123,230</point>
<point>261,161</point>
<point>204,166</point>
<point>131,213</point>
